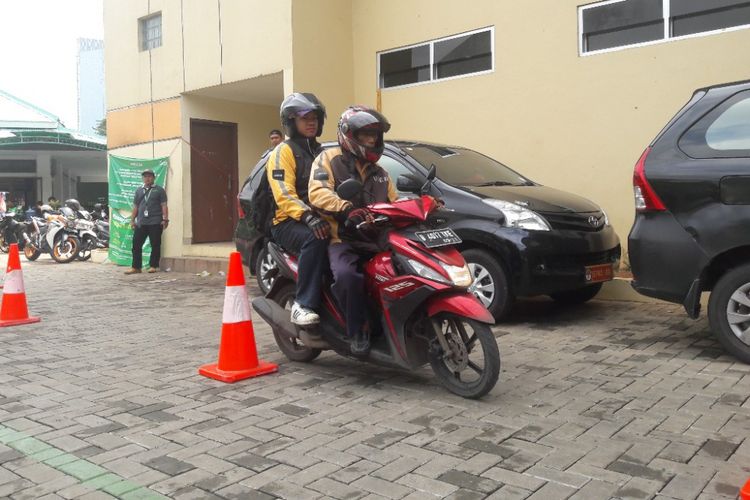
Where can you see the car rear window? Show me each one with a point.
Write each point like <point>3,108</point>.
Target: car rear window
<point>464,167</point>
<point>722,133</point>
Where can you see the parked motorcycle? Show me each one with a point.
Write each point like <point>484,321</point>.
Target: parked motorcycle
<point>57,236</point>
<point>88,232</point>
<point>420,308</point>
<point>8,231</point>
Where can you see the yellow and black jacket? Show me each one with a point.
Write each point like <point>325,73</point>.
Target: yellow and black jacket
<point>330,169</point>
<point>288,172</point>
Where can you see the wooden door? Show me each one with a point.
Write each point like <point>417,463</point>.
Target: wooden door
<point>213,180</point>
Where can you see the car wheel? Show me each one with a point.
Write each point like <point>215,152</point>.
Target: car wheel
<point>729,312</point>
<point>264,263</point>
<point>577,296</point>
<point>490,283</point>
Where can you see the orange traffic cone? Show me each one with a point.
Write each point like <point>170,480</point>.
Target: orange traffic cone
<point>745,491</point>
<point>14,310</point>
<point>238,357</point>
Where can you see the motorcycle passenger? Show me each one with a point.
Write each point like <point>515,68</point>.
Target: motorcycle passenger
<point>360,138</point>
<point>296,226</point>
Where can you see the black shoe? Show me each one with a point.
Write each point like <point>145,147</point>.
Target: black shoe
<point>360,344</point>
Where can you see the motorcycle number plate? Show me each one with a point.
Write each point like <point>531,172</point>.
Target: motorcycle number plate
<point>438,237</point>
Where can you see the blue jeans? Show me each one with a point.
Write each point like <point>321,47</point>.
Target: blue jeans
<point>298,239</point>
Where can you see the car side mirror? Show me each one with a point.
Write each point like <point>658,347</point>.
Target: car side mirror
<point>407,184</point>
<point>348,189</point>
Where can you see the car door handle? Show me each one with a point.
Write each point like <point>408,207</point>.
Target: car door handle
<point>735,190</point>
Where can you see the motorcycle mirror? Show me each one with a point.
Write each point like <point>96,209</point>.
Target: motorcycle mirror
<point>407,184</point>
<point>348,189</point>
<point>431,173</point>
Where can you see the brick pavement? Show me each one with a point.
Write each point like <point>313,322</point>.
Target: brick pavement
<point>609,400</point>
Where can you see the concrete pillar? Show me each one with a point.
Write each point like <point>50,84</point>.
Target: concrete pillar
<point>44,170</point>
<point>57,181</point>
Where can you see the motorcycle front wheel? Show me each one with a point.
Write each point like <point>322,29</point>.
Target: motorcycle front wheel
<point>66,249</point>
<point>31,252</point>
<point>291,347</point>
<point>4,246</point>
<point>85,251</point>
<point>471,365</point>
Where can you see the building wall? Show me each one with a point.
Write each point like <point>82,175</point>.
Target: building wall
<point>323,56</point>
<point>224,41</point>
<point>253,123</point>
<point>571,122</point>
<point>91,102</point>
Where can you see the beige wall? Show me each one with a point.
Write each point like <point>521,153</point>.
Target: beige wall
<point>253,123</point>
<point>224,41</point>
<point>172,238</point>
<point>323,57</point>
<point>575,123</point>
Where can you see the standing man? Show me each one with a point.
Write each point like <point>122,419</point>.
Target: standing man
<point>296,226</point>
<point>149,218</point>
<point>275,137</point>
<point>361,145</point>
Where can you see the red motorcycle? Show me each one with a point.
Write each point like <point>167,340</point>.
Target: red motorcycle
<point>420,309</point>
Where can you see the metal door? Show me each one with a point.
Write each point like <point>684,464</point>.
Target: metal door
<point>213,184</point>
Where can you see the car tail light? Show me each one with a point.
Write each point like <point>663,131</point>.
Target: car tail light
<point>645,197</point>
<point>239,208</point>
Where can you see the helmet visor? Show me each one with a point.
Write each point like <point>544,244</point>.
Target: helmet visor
<point>368,119</point>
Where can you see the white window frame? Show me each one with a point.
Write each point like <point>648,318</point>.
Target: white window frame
<point>143,29</point>
<point>666,15</point>
<point>431,44</point>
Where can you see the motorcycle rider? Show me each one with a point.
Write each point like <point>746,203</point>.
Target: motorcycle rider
<point>296,226</point>
<point>360,138</point>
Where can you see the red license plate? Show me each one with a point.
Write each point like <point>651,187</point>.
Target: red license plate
<point>599,273</point>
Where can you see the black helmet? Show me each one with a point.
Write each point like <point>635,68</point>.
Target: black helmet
<point>72,204</point>
<point>300,104</point>
<point>355,119</point>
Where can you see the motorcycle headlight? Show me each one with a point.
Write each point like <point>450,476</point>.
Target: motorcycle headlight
<point>606,218</point>
<point>518,216</point>
<point>427,272</point>
<point>459,276</point>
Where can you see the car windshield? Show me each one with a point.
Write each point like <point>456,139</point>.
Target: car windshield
<point>464,167</point>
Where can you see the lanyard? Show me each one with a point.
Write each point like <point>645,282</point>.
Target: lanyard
<point>147,194</point>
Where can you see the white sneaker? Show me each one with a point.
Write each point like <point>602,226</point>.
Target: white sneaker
<point>303,316</point>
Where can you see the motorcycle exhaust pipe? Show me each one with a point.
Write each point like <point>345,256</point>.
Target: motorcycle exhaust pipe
<point>275,316</point>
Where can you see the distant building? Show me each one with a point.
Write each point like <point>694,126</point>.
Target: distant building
<point>91,102</point>
<point>40,158</point>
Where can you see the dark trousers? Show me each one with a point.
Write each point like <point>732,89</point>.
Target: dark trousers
<point>348,285</point>
<point>153,232</point>
<point>297,238</point>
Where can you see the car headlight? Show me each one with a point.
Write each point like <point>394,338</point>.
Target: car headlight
<point>518,216</point>
<point>459,276</point>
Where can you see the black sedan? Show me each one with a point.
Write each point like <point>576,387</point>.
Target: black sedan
<point>519,238</point>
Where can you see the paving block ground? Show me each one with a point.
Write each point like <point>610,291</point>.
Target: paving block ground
<point>102,399</point>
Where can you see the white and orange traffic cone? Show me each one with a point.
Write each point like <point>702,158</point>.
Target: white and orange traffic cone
<point>238,357</point>
<point>14,310</point>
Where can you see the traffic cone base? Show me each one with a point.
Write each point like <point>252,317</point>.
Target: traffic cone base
<point>238,356</point>
<point>16,322</point>
<point>213,371</point>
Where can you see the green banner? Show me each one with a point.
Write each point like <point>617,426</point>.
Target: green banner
<point>124,179</point>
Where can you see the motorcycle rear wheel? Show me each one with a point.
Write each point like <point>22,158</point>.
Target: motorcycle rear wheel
<point>66,249</point>
<point>464,370</point>
<point>292,348</point>
<point>31,252</point>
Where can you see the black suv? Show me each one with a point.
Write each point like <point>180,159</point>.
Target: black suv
<point>692,226</point>
<point>519,238</point>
